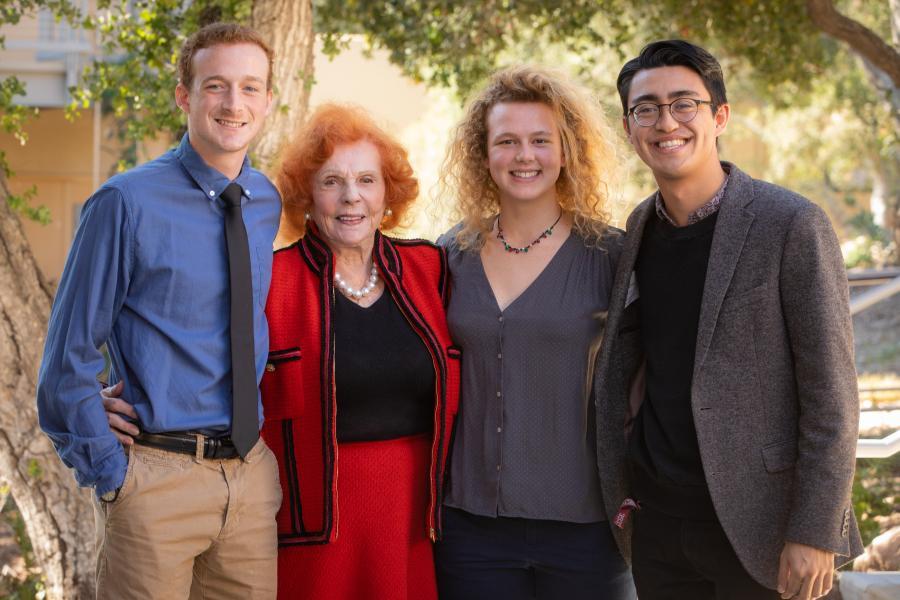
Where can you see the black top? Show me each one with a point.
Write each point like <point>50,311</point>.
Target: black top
<point>665,456</point>
<point>383,373</point>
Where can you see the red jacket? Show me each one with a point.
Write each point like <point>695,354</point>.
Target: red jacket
<point>298,386</point>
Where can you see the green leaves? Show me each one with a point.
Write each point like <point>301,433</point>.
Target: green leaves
<point>457,44</point>
<point>454,44</point>
<point>136,79</point>
<point>12,120</point>
<point>13,116</point>
<point>874,493</point>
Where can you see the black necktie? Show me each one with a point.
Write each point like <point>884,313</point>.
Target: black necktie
<point>244,416</point>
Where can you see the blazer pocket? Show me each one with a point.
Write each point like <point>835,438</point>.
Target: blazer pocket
<point>780,456</point>
<point>735,301</point>
<point>277,357</point>
<point>281,386</point>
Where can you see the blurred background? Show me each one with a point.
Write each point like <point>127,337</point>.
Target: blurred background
<point>86,90</point>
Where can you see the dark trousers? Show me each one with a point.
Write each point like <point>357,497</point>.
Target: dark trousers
<point>676,559</point>
<point>487,558</point>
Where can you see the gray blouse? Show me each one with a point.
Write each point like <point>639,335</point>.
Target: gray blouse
<point>525,442</point>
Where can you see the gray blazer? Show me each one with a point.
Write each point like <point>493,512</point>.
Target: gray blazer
<point>774,393</point>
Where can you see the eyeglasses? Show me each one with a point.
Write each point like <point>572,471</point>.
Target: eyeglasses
<point>646,114</point>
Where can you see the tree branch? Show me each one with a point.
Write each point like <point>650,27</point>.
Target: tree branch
<point>861,39</point>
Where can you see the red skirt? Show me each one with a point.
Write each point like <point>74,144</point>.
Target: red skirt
<point>382,549</point>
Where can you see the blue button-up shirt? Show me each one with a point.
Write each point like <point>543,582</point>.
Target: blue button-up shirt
<point>147,275</point>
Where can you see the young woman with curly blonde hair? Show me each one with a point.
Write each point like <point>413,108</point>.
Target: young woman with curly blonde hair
<point>584,138</point>
<point>532,266</point>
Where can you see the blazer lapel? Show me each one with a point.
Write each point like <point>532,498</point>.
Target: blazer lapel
<point>625,268</point>
<point>624,275</point>
<point>732,225</point>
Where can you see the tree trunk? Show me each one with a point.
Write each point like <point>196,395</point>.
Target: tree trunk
<point>287,26</point>
<point>882,61</point>
<point>892,213</point>
<point>58,516</point>
<point>895,22</point>
<point>885,196</point>
<point>861,39</point>
<point>888,164</point>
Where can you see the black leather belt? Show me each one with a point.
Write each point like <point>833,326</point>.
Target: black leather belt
<point>194,444</point>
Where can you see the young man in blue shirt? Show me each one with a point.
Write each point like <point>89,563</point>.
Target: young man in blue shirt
<point>170,269</point>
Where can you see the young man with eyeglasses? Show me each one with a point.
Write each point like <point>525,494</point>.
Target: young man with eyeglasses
<point>728,357</point>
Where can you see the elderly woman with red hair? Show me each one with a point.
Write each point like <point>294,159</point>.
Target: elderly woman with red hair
<point>361,386</point>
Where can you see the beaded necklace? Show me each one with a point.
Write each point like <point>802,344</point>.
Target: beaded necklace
<point>512,249</point>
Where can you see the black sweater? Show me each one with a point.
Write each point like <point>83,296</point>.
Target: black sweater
<point>384,376</point>
<point>665,457</point>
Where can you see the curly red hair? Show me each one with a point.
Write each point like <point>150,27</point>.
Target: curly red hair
<point>330,126</point>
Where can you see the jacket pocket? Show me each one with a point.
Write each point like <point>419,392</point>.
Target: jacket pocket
<point>780,456</point>
<point>282,356</point>
<point>741,299</point>
<point>279,386</point>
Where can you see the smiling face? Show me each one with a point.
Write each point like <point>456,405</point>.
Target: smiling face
<point>675,150</point>
<point>524,151</point>
<point>226,103</point>
<point>348,196</point>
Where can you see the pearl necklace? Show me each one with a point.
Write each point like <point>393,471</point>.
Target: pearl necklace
<point>361,292</point>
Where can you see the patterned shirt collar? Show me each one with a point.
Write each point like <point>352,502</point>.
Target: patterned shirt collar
<point>699,214</point>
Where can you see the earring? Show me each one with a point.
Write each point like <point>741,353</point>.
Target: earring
<point>307,216</point>
<point>388,212</point>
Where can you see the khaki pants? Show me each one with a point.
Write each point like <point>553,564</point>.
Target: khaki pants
<point>188,528</point>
